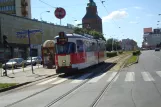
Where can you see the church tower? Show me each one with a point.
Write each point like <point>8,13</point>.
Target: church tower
<point>91,20</point>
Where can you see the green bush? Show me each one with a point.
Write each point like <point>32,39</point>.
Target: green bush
<point>136,52</point>
<point>0,65</point>
<point>111,54</point>
<point>120,52</point>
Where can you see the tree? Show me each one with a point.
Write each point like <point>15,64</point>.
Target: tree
<point>116,44</point>
<point>93,33</point>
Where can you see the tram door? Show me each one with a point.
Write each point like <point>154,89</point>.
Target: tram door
<point>81,56</point>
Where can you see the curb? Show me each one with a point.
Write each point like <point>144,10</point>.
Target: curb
<point>137,61</point>
<point>23,84</point>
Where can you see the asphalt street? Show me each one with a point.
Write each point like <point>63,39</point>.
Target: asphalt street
<point>136,86</point>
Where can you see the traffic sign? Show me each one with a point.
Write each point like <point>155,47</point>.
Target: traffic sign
<point>60,13</point>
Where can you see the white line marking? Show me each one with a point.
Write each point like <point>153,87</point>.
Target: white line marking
<point>82,78</point>
<point>111,76</point>
<point>62,80</point>
<point>97,78</point>
<point>130,76</point>
<point>45,82</point>
<point>159,73</point>
<point>147,77</point>
<point>116,78</point>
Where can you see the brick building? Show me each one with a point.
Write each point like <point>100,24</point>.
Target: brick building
<point>91,20</point>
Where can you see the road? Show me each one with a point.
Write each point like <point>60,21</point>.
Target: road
<point>135,86</point>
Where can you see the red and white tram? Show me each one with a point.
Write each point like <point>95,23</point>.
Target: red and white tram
<point>75,52</point>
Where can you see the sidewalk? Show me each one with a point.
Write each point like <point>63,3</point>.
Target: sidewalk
<point>22,77</point>
<point>27,76</point>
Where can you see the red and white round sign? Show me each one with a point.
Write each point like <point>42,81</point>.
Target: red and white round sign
<point>60,13</point>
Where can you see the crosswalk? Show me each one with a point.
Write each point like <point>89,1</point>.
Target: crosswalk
<point>108,76</point>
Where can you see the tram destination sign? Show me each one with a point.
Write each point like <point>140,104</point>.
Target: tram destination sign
<point>62,40</point>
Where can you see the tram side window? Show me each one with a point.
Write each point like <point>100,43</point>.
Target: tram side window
<point>80,47</point>
<point>93,46</point>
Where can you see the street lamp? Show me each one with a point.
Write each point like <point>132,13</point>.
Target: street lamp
<point>42,13</point>
<point>42,25</point>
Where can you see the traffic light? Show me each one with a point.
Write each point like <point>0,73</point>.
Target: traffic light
<point>5,43</point>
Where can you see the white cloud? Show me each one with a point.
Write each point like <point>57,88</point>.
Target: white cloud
<point>119,14</point>
<point>137,7</point>
<point>133,22</point>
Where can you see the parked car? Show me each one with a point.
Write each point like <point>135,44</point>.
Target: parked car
<point>15,62</point>
<point>35,60</point>
<point>157,49</point>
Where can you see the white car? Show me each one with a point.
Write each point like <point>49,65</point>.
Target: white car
<point>35,60</point>
<point>15,62</point>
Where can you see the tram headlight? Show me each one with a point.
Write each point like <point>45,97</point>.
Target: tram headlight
<point>64,61</point>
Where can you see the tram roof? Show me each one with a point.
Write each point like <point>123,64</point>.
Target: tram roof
<point>78,36</point>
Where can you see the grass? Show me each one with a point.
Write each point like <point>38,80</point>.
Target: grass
<point>131,60</point>
<point>6,85</point>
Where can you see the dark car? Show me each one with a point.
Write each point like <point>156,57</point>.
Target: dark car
<point>157,49</point>
<point>15,62</point>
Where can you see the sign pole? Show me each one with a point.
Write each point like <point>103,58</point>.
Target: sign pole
<point>5,72</point>
<point>30,51</point>
<point>60,22</point>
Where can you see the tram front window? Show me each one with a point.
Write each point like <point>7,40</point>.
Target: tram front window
<point>66,48</point>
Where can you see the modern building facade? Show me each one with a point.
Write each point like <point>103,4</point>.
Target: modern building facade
<point>152,39</point>
<point>16,7</point>
<point>10,25</point>
<point>128,44</point>
<point>91,20</point>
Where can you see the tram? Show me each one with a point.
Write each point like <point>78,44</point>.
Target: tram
<point>75,52</point>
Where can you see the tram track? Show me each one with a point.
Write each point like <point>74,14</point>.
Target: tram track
<point>39,92</point>
<point>105,89</point>
<point>78,86</point>
<point>103,67</point>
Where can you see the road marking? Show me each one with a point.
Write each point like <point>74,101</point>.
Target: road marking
<point>111,76</point>
<point>159,73</point>
<point>82,78</point>
<point>97,78</point>
<point>116,78</point>
<point>62,80</point>
<point>45,82</point>
<point>147,77</point>
<point>130,76</point>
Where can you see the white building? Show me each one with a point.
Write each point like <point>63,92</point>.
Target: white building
<point>128,44</point>
<point>150,40</point>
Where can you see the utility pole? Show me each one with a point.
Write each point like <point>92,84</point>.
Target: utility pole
<point>112,44</point>
<point>30,50</point>
<point>5,45</point>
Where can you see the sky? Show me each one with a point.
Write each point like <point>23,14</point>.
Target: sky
<point>121,18</point>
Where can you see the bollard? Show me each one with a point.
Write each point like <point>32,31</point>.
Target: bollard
<point>12,68</point>
<point>38,65</point>
<point>23,67</point>
<point>1,72</point>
